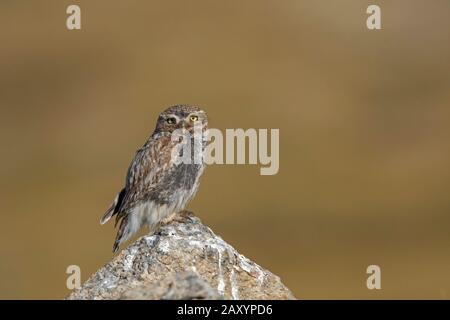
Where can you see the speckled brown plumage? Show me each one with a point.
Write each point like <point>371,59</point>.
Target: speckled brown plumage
<point>158,183</point>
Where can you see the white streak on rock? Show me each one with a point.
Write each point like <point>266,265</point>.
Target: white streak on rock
<point>244,263</point>
<point>221,285</point>
<point>129,259</point>
<point>234,287</point>
<point>251,268</point>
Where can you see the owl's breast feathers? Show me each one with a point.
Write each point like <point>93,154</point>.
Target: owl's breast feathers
<point>156,175</point>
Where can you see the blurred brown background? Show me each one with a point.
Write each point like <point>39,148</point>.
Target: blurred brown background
<point>364,126</point>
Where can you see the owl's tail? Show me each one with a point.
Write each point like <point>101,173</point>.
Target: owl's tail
<point>108,214</point>
<point>114,208</point>
<point>128,227</point>
<point>121,234</point>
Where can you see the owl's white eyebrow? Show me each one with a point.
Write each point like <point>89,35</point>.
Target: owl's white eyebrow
<point>172,116</point>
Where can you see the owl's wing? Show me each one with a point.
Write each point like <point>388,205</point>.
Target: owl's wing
<point>150,164</point>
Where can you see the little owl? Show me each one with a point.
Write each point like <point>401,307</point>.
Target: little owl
<point>158,184</point>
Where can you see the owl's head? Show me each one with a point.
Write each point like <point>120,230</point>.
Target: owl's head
<point>181,117</point>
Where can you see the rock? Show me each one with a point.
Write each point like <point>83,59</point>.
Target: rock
<point>183,259</point>
<point>181,286</point>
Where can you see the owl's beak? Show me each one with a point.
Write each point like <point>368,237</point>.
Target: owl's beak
<point>186,126</point>
<point>183,125</point>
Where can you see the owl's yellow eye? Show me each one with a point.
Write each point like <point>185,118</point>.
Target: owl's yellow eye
<point>194,118</point>
<point>171,120</point>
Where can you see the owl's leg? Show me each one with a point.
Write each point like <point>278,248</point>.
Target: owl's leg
<point>181,216</point>
<point>169,218</point>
